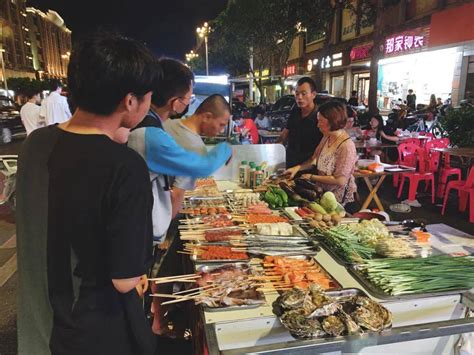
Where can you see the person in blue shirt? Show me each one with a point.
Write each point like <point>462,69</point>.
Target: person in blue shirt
<point>163,155</point>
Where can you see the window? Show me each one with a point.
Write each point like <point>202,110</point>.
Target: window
<point>314,36</point>
<point>337,85</point>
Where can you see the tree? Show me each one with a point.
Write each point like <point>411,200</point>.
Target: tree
<point>264,29</point>
<point>22,86</point>
<point>319,16</point>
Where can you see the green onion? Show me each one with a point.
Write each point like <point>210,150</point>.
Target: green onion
<point>421,275</point>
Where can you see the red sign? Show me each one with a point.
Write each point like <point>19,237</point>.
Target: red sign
<point>361,52</point>
<point>289,70</point>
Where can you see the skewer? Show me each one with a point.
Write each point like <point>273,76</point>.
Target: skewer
<point>186,276</point>
<point>178,300</point>
<point>192,290</point>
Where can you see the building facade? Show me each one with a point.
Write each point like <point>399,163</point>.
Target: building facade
<point>423,45</point>
<point>33,44</point>
<point>14,40</point>
<point>50,43</point>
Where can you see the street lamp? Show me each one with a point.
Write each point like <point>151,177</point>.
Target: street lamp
<point>203,32</point>
<point>191,55</point>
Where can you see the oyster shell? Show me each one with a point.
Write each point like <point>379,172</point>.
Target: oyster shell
<point>371,315</point>
<point>324,305</point>
<point>351,326</point>
<point>368,319</point>
<point>300,326</point>
<point>333,325</point>
<point>292,299</point>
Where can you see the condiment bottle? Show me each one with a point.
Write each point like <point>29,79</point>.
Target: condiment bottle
<point>243,173</point>
<point>259,176</point>
<point>250,182</point>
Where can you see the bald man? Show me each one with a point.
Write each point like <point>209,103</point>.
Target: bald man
<point>210,118</point>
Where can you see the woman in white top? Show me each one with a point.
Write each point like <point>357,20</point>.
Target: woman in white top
<point>30,112</point>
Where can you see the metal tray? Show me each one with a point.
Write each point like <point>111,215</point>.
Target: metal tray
<point>210,268</point>
<point>307,257</point>
<point>355,271</point>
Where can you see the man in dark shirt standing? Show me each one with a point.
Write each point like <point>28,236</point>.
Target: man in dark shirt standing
<point>84,211</point>
<point>302,132</point>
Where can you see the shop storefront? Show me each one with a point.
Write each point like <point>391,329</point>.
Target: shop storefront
<point>360,67</point>
<point>435,60</point>
<point>408,64</point>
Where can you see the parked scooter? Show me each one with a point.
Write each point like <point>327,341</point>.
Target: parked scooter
<point>8,167</point>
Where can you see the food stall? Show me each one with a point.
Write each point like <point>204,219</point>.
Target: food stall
<point>300,280</point>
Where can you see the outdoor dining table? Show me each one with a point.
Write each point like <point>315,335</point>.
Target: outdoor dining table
<point>458,152</point>
<point>373,187</point>
<point>367,145</point>
<point>268,136</point>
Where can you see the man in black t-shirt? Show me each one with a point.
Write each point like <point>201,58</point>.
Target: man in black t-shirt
<point>302,132</point>
<point>84,211</point>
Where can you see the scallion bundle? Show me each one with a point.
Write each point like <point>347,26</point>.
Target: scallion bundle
<point>421,275</point>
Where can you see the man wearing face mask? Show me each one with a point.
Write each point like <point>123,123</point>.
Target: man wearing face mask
<point>301,132</point>
<point>163,155</point>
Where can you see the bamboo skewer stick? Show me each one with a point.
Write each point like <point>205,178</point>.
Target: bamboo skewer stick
<point>186,276</point>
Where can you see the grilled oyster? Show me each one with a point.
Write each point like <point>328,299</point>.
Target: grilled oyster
<point>300,326</point>
<point>371,315</point>
<point>333,325</point>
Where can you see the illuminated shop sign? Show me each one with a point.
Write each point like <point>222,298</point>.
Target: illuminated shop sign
<point>361,52</point>
<point>405,42</point>
<point>289,70</point>
<point>332,61</point>
<point>311,64</point>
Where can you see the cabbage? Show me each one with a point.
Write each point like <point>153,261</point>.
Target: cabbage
<point>328,201</point>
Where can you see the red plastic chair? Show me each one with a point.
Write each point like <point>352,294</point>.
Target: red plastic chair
<point>414,141</point>
<point>414,156</point>
<point>465,190</point>
<point>445,170</point>
<point>405,156</point>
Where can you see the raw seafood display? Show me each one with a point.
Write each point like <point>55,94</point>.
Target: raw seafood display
<point>298,272</point>
<point>228,285</point>
<point>314,313</point>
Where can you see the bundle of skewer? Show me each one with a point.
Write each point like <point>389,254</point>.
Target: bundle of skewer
<point>260,283</point>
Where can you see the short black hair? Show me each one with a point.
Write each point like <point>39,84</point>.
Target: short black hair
<point>215,104</point>
<point>54,84</point>
<point>354,92</point>
<point>308,80</point>
<point>105,67</point>
<point>30,92</point>
<point>176,80</point>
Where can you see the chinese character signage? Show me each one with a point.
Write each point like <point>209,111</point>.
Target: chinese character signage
<point>361,52</point>
<point>400,43</point>
<point>289,70</point>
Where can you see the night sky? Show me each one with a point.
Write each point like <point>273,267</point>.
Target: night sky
<point>167,27</point>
